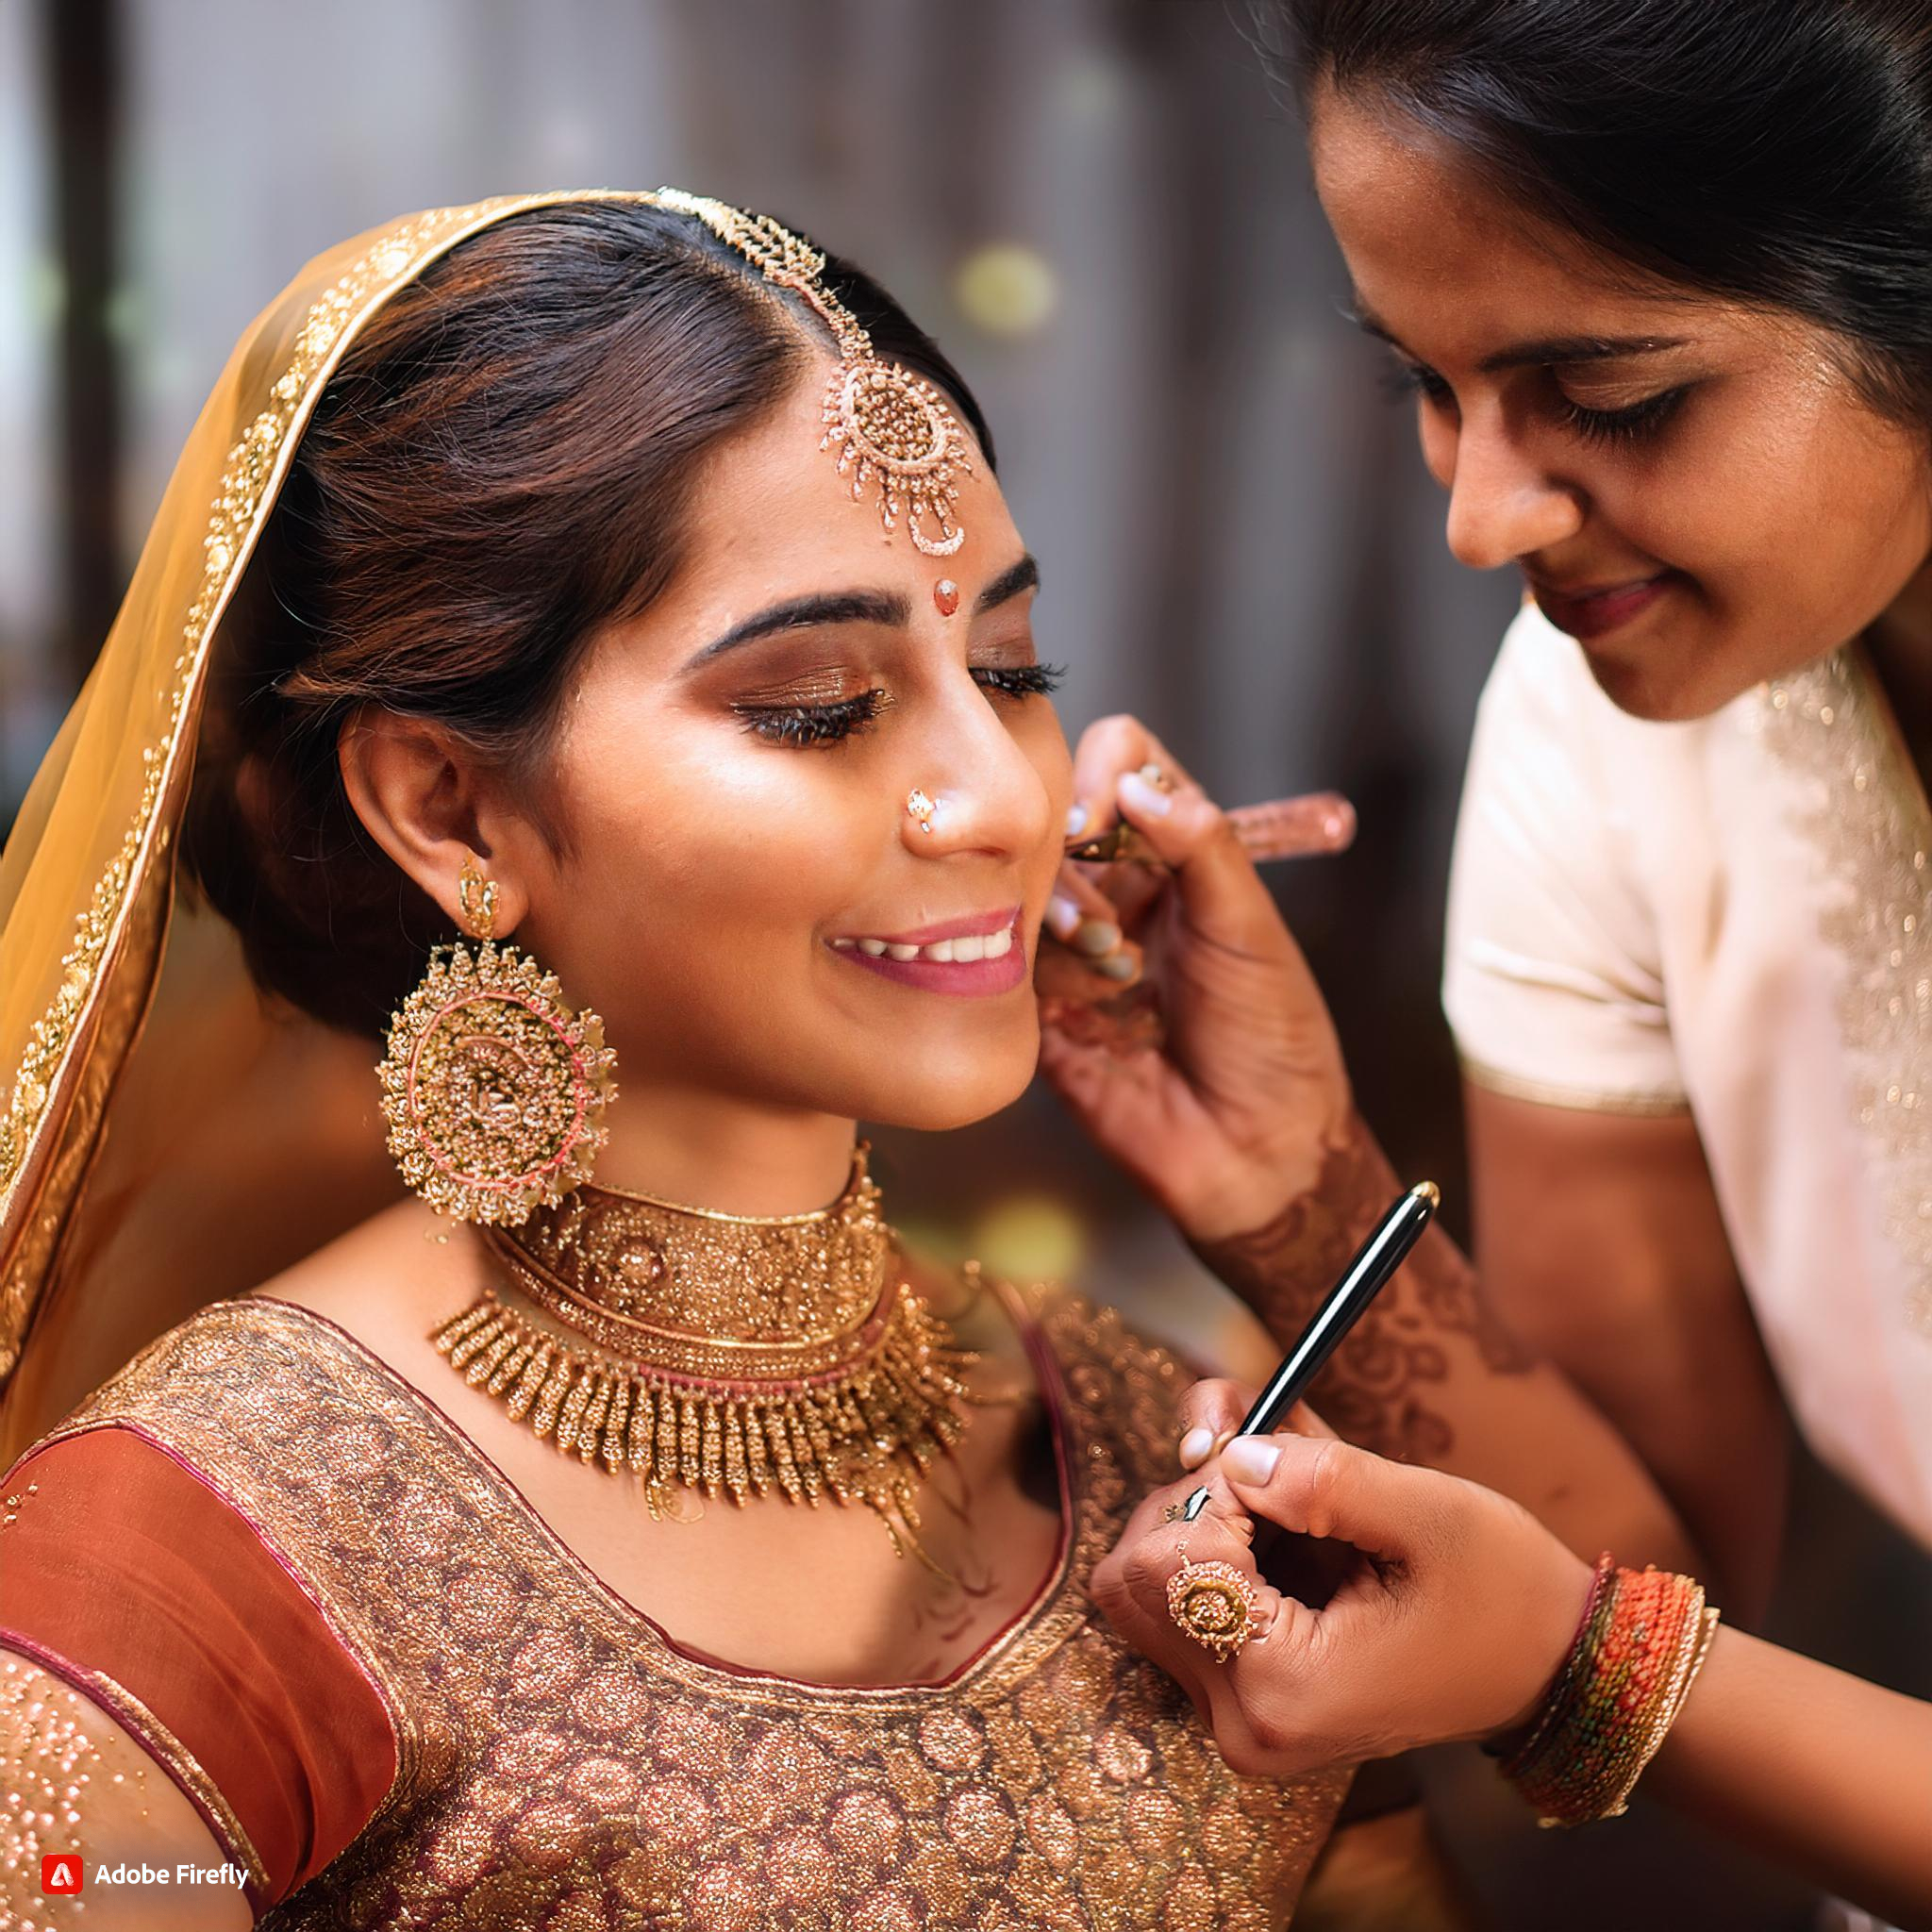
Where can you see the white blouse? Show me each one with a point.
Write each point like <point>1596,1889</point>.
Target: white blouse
<point>1733,916</point>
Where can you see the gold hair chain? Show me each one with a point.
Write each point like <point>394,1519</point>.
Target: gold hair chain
<point>882,422</point>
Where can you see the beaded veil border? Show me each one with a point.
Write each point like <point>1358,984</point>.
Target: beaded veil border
<point>87,877</point>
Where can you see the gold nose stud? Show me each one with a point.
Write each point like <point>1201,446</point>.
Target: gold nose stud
<point>922,808</point>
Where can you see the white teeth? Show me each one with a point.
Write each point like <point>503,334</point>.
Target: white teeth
<point>962,950</point>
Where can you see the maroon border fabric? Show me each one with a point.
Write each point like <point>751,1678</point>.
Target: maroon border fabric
<point>123,1564</point>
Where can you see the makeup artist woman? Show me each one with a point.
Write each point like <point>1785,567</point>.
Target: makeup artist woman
<point>1660,274</point>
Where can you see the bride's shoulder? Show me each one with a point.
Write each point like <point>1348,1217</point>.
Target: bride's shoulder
<point>387,1281</point>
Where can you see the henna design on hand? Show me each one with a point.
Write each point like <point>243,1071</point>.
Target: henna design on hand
<point>1374,1389</point>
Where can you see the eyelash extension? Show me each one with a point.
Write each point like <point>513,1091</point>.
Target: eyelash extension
<point>1622,427</point>
<point>807,725</point>
<point>1021,681</point>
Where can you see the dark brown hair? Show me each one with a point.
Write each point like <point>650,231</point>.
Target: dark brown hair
<point>502,465</point>
<point>1776,153</point>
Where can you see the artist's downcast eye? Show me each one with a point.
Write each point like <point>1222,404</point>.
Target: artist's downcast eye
<point>1633,424</point>
<point>1630,425</point>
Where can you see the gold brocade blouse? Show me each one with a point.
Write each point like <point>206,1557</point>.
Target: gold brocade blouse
<point>560,1763</point>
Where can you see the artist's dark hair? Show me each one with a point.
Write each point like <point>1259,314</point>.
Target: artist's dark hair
<point>503,463</point>
<point>1773,152</point>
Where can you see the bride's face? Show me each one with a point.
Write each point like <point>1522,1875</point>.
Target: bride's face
<point>732,776</point>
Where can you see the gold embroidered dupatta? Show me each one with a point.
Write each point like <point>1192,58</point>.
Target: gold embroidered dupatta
<point>265,1123</point>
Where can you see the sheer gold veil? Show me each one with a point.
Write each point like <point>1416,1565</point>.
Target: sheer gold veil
<point>169,1137</point>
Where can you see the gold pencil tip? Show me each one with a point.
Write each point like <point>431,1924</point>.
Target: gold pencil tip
<point>1428,1192</point>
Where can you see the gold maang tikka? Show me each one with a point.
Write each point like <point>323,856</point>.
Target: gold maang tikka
<point>493,1087</point>
<point>881,421</point>
<point>722,1354</point>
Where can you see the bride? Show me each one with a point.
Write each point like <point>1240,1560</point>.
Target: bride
<point>584,662</point>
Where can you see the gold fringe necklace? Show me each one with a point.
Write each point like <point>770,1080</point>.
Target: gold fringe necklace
<point>724,1355</point>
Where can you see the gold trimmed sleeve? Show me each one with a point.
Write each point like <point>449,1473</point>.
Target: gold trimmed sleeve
<point>66,1764</point>
<point>1657,1104</point>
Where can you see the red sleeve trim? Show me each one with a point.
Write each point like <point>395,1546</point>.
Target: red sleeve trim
<point>125,1572</point>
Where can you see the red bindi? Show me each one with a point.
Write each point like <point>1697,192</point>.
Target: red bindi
<point>945,593</point>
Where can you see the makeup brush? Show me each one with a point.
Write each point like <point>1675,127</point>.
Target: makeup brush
<point>1370,1271</point>
<point>1307,827</point>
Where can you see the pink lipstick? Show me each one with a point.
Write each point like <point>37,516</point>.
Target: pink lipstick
<point>1588,613</point>
<point>978,954</point>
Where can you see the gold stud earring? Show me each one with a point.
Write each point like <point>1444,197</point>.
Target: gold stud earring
<point>476,897</point>
<point>494,1086</point>
<point>922,809</point>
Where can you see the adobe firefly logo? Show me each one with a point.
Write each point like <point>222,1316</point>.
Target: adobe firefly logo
<point>60,1875</point>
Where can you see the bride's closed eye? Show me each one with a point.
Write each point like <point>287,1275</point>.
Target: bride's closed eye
<point>802,725</point>
<point>1020,680</point>
<point>805,725</point>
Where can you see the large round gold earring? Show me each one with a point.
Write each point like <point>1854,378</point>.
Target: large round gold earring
<point>493,1087</point>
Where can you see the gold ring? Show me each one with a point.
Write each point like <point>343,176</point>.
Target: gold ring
<point>1155,776</point>
<point>1213,1603</point>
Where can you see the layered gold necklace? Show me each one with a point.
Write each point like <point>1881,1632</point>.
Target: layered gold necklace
<point>720,1354</point>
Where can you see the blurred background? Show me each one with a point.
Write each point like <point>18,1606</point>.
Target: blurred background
<point>1102,208</point>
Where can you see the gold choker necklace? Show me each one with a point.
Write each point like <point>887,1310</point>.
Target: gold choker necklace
<point>720,1354</point>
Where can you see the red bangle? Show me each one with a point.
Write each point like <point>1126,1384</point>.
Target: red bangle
<point>1643,1639</point>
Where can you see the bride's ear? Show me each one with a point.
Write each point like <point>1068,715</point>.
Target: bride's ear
<point>425,798</point>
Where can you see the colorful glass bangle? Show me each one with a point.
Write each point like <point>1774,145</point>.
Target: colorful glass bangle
<point>1642,1639</point>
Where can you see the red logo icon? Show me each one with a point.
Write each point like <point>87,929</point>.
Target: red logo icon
<point>60,1872</point>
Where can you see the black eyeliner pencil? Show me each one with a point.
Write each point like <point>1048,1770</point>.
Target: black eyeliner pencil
<point>1372,1269</point>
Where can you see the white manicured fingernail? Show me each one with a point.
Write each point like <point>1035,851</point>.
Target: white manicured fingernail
<point>1250,1460</point>
<point>1063,917</point>
<point>1144,798</point>
<point>1194,1447</point>
<point>1076,820</point>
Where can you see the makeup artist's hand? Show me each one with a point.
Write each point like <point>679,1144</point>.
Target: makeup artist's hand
<point>1225,1120</point>
<point>1454,1608</point>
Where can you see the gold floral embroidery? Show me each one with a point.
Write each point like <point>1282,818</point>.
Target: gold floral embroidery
<point>588,1770</point>
<point>1868,822</point>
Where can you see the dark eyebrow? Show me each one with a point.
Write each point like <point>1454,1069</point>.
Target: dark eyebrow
<point>1559,351</point>
<point>804,613</point>
<point>1562,351</point>
<point>856,607</point>
<point>1024,575</point>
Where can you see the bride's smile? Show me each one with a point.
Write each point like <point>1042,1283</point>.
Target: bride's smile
<point>979,953</point>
